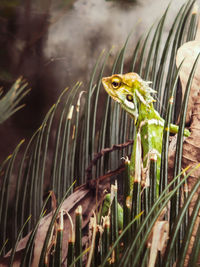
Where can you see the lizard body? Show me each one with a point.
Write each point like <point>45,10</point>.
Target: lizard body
<point>134,96</point>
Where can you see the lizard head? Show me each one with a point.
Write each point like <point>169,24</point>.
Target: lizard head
<point>129,90</point>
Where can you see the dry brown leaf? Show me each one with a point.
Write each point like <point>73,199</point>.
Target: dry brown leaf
<point>85,197</point>
<point>89,196</point>
<point>191,145</point>
<point>189,52</point>
<point>191,148</point>
<point>160,235</point>
<point>191,155</point>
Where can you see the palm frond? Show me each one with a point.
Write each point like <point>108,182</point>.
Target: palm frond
<point>9,103</point>
<point>62,148</point>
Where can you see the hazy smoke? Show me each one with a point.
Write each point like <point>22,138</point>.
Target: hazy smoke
<point>77,38</point>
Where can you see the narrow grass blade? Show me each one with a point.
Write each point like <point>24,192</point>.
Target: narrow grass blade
<point>159,205</point>
<point>9,102</point>
<point>142,54</point>
<point>176,227</point>
<point>194,256</point>
<point>193,24</point>
<point>70,254</point>
<point>6,190</point>
<point>176,44</point>
<point>27,255</point>
<point>118,240</point>
<point>133,65</point>
<point>59,239</point>
<point>16,243</point>
<point>165,142</point>
<point>153,180</point>
<point>154,49</point>
<point>78,235</point>
<point>87,150</point>
<point>114,220</point>
<point>44,249</point>
<point>127,200</point>
<point>188,233</point>
<point>105,244</point>
<point>163,61</point>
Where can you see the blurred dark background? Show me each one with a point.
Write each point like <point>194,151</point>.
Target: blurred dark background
<point>55,43</point>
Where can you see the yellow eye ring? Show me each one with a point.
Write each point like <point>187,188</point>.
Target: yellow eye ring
<point>116,83</point>
<point>129,98</point>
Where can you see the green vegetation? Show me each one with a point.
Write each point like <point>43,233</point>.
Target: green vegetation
<point>77,135</point>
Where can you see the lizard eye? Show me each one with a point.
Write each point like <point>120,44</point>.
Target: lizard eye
<point>129,98</point>
<point>116,83</point>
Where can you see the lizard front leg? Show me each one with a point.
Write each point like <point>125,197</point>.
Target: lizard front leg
<point>174,129</point>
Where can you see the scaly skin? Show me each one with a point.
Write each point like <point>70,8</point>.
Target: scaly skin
<point>134,95</point>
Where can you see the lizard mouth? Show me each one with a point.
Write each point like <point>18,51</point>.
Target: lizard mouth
<point>115,98</point>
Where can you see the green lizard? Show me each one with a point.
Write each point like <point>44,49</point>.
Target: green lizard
<point>134,96</point>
